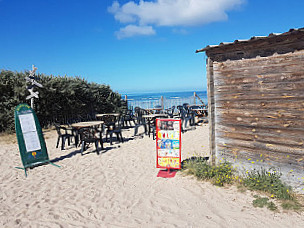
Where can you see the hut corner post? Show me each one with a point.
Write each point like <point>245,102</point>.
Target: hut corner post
<point>211,109</point>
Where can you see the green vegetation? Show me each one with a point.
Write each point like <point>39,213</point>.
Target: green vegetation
<point>62,99</point>
<point>291,205</point>
<point>263,181</point>
<point>218,175</point>
<point>262,202</point>
<point>268,181</point>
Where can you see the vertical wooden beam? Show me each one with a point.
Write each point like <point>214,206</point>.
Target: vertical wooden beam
<point>126,100</point>
<point>162,102</point>
<point>211,110</point>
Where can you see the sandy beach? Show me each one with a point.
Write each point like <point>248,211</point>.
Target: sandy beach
<point>120,188</point>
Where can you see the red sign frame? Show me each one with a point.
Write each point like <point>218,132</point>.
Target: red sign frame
<point>168,143</point>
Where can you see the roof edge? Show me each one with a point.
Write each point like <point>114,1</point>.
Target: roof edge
<point>254,38</point>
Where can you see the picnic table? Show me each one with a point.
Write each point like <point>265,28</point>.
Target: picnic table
<point>155,115</point>
<point>200,109</point>
<point>152,110</point>
<point>108,118</point>
<point>107,114</point>
<point>86,124</point>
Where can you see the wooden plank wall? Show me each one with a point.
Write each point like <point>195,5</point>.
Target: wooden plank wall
<point>259,109</point>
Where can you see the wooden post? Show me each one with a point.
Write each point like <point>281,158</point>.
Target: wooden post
<point>32,103</point>
<point>126,100</point>
<point>31,79</point>
<point>211,110</point>
<point>162,102</point>
<point>194,98</point>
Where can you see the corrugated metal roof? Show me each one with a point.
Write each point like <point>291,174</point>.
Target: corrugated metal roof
<point>254,38</point>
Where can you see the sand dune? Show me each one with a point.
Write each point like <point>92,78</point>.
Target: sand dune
<point>119,188</point>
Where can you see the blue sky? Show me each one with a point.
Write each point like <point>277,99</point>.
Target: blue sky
<point>133,46</point>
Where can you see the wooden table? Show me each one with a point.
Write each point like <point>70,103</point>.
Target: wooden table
<point>151,110</point>
<point>80,125</point>
<point>199,109</point>
<point>155,115</point>
<point>109,119</point>
<point>107,114</point>
<point>86,124</point>
<point>201,113</point>
<point>199,105</point>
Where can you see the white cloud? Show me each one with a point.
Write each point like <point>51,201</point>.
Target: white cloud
<point>173,12</point>
<point>122,14</point>
<point>134,30</point>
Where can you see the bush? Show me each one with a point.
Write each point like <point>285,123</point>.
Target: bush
<point>219,175</point>
<point>268,181</point>
<point>62,99</point>
<point>264,201</point>
<point>257,180</point>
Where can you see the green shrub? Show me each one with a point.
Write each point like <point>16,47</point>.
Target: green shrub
<point>221,174</point>
<point>291,205</point>
<point>258,180</point>
<point>264,201</point>
<point>62,99</point>
<point>268,181</point>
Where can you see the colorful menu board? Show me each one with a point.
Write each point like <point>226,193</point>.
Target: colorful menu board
<point>168,143</point>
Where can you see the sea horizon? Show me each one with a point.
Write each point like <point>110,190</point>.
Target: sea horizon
<point>145,93</point>
<point>160,91</point>
<point>151,99</point>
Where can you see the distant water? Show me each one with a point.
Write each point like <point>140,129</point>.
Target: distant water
<point>150,100</point>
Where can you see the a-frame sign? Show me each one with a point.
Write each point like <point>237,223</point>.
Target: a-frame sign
<point>31,142</point>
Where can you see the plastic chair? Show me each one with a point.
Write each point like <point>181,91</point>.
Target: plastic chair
<point>88,135</point>
<point>139,120</point>
<point>170,111</point>
<point>151,127</point>
<point>127,118</point>
<point>113,126</point>
<point>186,116</point>
<point>63,135</point>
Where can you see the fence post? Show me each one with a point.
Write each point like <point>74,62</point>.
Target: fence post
<point>194,98</point>
<point>162,102</point>
<point>126,100</point>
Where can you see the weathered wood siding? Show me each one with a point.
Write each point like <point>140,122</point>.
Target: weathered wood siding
<point>258,107</point>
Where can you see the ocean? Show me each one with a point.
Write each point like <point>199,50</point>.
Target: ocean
<point>150,100</point>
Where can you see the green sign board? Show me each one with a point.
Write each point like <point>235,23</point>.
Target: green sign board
<point>30,138</point>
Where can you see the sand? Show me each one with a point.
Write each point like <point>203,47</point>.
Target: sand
<point>120,188</point>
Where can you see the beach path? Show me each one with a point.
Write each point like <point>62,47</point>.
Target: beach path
<point>120,188</point>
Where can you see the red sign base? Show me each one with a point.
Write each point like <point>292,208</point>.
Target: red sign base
<point>168,173</point>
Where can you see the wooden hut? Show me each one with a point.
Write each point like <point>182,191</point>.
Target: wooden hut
<point>256,101</point>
